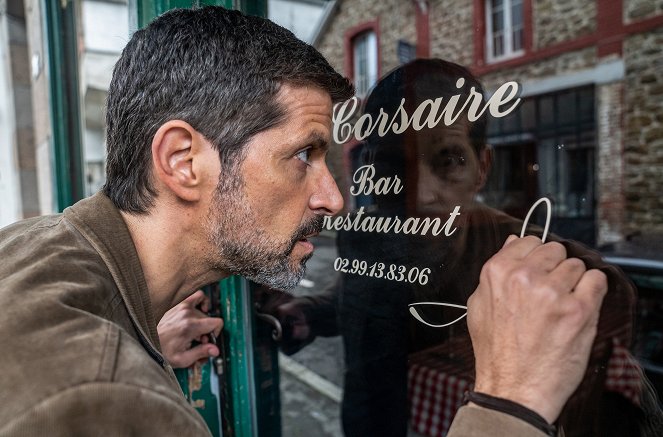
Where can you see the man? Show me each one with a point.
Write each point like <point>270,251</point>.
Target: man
<point>218,125</point>
<point>216,145</point>
<point>441,168</point>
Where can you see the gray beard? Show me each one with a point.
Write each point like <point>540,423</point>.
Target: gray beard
<point>272,269</point>
<point>244,250</point>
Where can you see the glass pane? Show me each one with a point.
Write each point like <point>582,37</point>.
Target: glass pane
<point>360,64</point>
<point>512,123</point>
<point>517,39</point>
<point>358,355</point>
<point>516,14</point>
<point>103,44</point>
<point>365,62</point>
<point>528,111</point>
<point>498,45</point>
<point>498,20</point>
<point>546,110</point>
<point>567,107</point>
<point>587,103</point>
<point>371,59</point>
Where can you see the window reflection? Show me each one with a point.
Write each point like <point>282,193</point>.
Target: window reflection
<point>505,33</point>
<point>539,150</point>
<point>365,61</point>
<point>584,135</point>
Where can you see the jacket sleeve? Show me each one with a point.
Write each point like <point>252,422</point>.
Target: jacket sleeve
<point>108,409</point>
<point>475,421</point>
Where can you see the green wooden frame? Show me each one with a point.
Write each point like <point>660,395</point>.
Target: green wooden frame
<point>147,10</point>
<point>65,110</point>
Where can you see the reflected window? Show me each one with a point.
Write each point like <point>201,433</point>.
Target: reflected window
<point>365,61</point>
<point>547,148</point>
<point>505,29</point>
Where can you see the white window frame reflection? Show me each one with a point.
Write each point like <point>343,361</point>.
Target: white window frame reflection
<point>510,47</point>
<point>365,61</point>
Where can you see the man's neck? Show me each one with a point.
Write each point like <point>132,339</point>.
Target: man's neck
<point>170,256</point>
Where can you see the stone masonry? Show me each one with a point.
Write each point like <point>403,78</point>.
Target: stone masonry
<point>643,141</point>
<point>610,165</point>
<point>452,33</point>
<point>629,112</point>
<point>635,10</point>
<point>557,21</point>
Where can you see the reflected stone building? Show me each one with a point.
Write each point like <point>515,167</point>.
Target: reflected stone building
<point>589,131</point>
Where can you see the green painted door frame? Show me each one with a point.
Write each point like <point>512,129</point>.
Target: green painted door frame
<point>65,110</point>
<point>145,11</point>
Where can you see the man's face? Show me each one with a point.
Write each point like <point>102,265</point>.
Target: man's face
<point>449,171</point>
<point>260,226</point>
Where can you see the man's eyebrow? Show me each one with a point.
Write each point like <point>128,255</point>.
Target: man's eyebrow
<point>317,140</point>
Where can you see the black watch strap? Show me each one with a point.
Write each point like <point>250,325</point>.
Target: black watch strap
<point>511,408</point>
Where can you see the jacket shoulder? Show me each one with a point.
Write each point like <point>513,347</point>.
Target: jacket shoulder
<point>102,382</point>
<point>106,408</point>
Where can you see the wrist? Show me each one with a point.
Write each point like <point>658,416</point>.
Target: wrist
<point>511,408</point>
<point>527,397</point>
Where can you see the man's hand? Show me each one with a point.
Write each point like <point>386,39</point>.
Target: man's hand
<point>292,313</point>
<point>532,320</point>
<point>185,323</point>
<point>297,332</point>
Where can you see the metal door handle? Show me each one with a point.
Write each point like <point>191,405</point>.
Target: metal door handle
<point>277,331</point>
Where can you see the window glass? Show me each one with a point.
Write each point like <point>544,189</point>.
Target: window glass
<point>505,30</point>
<point>583,135</point>
<point>375,342</point>
<point>105,31</point>
<point>365,61</point>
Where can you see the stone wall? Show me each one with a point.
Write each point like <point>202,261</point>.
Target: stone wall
<point>452,30</point>
<point>396,21</point>
<point>20,66</point>
<point>636,10</point>
<point>557,21</point>
<point>629,117</point>
<point>610,163</point>
<point>40,105</point>
<point>643,139</point>
<point>555,66</point>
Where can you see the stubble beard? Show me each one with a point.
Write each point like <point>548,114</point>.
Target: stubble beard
<point>244,249</point>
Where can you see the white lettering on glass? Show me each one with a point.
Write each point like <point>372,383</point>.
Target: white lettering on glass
<point>427,114</point>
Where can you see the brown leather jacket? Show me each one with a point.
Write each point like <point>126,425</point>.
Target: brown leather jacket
<point>78,340</point>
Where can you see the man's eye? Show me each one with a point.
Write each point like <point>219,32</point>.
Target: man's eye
<point>304,155</point>
<point>448,161</point>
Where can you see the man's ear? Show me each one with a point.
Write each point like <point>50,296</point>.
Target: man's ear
<point>485,163</point>
<point>177,150</point>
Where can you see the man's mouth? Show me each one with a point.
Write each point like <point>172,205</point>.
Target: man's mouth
<point>309,230</point>
<point>306,243</point>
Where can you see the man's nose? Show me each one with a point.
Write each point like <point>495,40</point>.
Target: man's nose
<point>327,198</point>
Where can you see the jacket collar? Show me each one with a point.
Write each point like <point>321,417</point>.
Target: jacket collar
<point>100,222</point>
